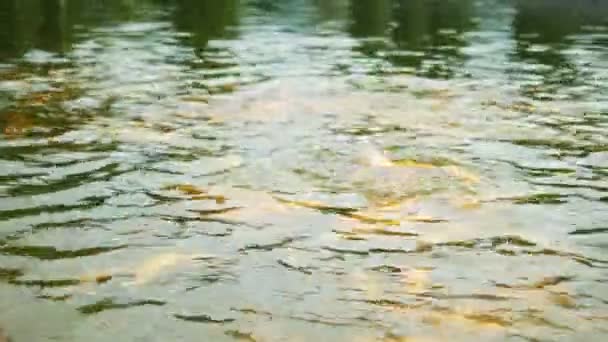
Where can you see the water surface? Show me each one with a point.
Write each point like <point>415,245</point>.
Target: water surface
<point>365,170</point>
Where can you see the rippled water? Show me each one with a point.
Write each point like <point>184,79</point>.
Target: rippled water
<point>365,170</point>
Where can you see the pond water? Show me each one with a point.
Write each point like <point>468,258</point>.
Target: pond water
<point>330,170</point>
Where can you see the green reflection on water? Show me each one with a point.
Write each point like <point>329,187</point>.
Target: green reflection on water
<point>350,170</point>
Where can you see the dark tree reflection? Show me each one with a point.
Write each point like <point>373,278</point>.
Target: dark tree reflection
<point>542,29</point>
<point>205,19</point>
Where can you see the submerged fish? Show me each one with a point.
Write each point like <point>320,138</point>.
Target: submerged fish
<point>187,189</point>
<point>371,156</point>
<point>147,271</point>
<point>160,264</point>
<point>384,180</point>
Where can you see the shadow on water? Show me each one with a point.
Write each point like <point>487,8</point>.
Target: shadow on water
<point>331,10</point>
<point>535,21</point>
<point>205,20</point>
<point>32,24</point>
<point>266,5</point>
<point>434,29</point>
<point>53,25</point>
<point>544,31</point>
<point>423,36</point>
<point>370,18</point>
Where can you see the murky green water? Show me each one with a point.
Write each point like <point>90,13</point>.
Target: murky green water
<point>365,170</point>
